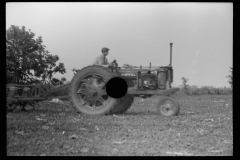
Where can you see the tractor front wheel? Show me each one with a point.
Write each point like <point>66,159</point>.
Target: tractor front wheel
<point>168,106</point>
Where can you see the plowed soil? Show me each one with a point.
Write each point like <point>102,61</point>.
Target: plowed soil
<point>203,128</point>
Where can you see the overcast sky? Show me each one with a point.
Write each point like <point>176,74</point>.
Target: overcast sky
<point>137,34</point>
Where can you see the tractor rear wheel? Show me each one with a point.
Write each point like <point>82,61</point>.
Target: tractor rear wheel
<point>168,106</point>
<point>87,90</point>
<point>124,104</point>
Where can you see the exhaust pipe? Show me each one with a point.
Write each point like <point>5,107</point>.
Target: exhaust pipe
<point>165,76</point>
<point>170,71</point>
<point>171,54</point>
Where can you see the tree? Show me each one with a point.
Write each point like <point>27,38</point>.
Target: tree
<point>56,81</point>
<point>230,77</point>
<point>75,71</point>
<point>63,79</point>
<point>27,60</point>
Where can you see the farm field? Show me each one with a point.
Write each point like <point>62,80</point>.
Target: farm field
<point>204,127</point>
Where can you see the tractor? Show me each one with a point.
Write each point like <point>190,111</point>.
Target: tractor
<point>87,89</point>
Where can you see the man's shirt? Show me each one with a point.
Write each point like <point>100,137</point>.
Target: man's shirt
<point>101,60</point>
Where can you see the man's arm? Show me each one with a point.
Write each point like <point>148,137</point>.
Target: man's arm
<point>106,65</point>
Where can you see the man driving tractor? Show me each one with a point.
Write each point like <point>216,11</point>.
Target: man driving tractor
<point>102,59</point>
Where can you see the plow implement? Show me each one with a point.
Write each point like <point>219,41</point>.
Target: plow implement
<point>22,95</point>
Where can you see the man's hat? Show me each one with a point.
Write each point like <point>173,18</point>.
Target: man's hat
<point>105,49</point>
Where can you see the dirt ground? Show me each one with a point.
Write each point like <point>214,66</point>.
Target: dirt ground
<point>204,127</point>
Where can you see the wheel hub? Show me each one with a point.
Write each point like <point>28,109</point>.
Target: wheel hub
<point>92,92</point>
<point>167,107</point>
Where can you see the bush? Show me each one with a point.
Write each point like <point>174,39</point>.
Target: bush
<point>204,90</point>
<point>192,90</point>
<point>211,90</point>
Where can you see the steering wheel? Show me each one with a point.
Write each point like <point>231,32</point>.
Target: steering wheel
<point>114,66</point>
